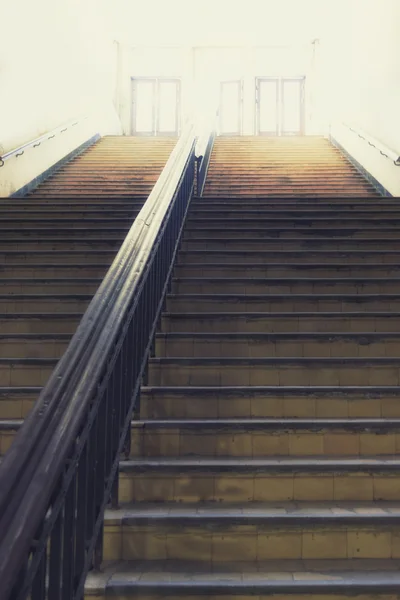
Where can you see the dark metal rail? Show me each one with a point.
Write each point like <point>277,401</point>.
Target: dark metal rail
<point>203,154</point>
<point>38,141</point>
<point>62,469</point>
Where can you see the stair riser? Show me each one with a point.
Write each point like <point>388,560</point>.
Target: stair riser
<point>16,405</point>
<point>32,349</point>
<point>289,244</point>
<point>278,324</point>
<point>26,224</point>
<point>285,304</point>
<point>247,405</point>
<point>32,261</point>
<point>283,258</point>
<point>207,443</point>
<point>53,271</point>
<point>222,286</point>
<point>18,374</point>
<point>253,210</point>
<point>286,232</point>
<point>45,305</point>
<point>290,375</point>
<point>51,211</point>
<point>268,270</point>
<point>229,487</point>
<point>248,593</point>
<point>69,233</point>
<point>291,348</point>
<point>46,287</point>
<point>218,543</point>
<point>230,202</point>
<point>276,191</point>
<point>27,246</point>
<point>37,325</point>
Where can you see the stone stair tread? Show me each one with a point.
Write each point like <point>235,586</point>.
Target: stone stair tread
<point>282,296</point>
<point>279,576</point>
<point>279,463</point>
<point>254,423</point>
<point>272,314</point>
<point>279,513</point>
<point>281,335</point>
<point>253,389</point>
<point>272,360</point>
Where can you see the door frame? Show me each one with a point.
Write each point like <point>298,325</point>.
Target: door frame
<point>240,106</point>
<point>155,108</point>
<point>279,80</point>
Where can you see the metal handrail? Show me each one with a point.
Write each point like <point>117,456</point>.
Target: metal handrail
<point>204,148</point>
<point>384,150</point>
<point>64,460</point>
<point>38,141</point>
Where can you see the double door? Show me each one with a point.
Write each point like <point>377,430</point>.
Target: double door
<point>156,106</point>
<point>280,106</point>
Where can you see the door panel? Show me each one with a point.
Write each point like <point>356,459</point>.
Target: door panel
<point>168,107</point>
<point>292,122</point>
<point>144,104</point>
<point>230,113</point>
<point>155,106</point>
<point>268,107</point>
<point>280,106</point>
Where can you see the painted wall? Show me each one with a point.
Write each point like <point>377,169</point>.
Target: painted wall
<point>57,62</point>
<point>361,62</point>
<point>201,69</point>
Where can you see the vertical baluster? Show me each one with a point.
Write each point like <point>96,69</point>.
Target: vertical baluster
<point>68,569</point>
<point>38,591</point>
<point>82,498</point>
<point>55,560</point>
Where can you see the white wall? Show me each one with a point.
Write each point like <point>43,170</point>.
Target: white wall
<point>361,63</point>
<point>57,62</point>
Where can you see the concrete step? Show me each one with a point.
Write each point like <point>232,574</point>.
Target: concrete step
<point>251,303</point>
<point>263,438</point>
<point>285,285</point>
<point>49,285</point>
<point>241,579</point>
<point>33,345</point>
<point>39,323</point>
<point>267,210</point>
<point>257,218</point>
<point>302,344</point>
<point>278,402</point>
<point>295,269</point>
<point>310,243</point>
<point>273,371</point>
<point>78,232</point>
<point>274,203</point>
<point>45,258</point>
<point>64,244</point>
<point>16,402</point>
<point>288,232</point>
<point>283,257</point>
<point>30,372</point>
<point>49,271</point>
<point>44,303</point>
<point>244,480</point>
<point>43,223</point>
<point>262,532</point>
<point>280,322</point>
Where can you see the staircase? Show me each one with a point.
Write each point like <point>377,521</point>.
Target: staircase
<point>265,459</point>
<point>278,166</point>
<point>55,248</point>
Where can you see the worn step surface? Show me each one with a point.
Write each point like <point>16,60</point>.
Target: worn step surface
<point>55,248</point>
<point>266,448</point>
